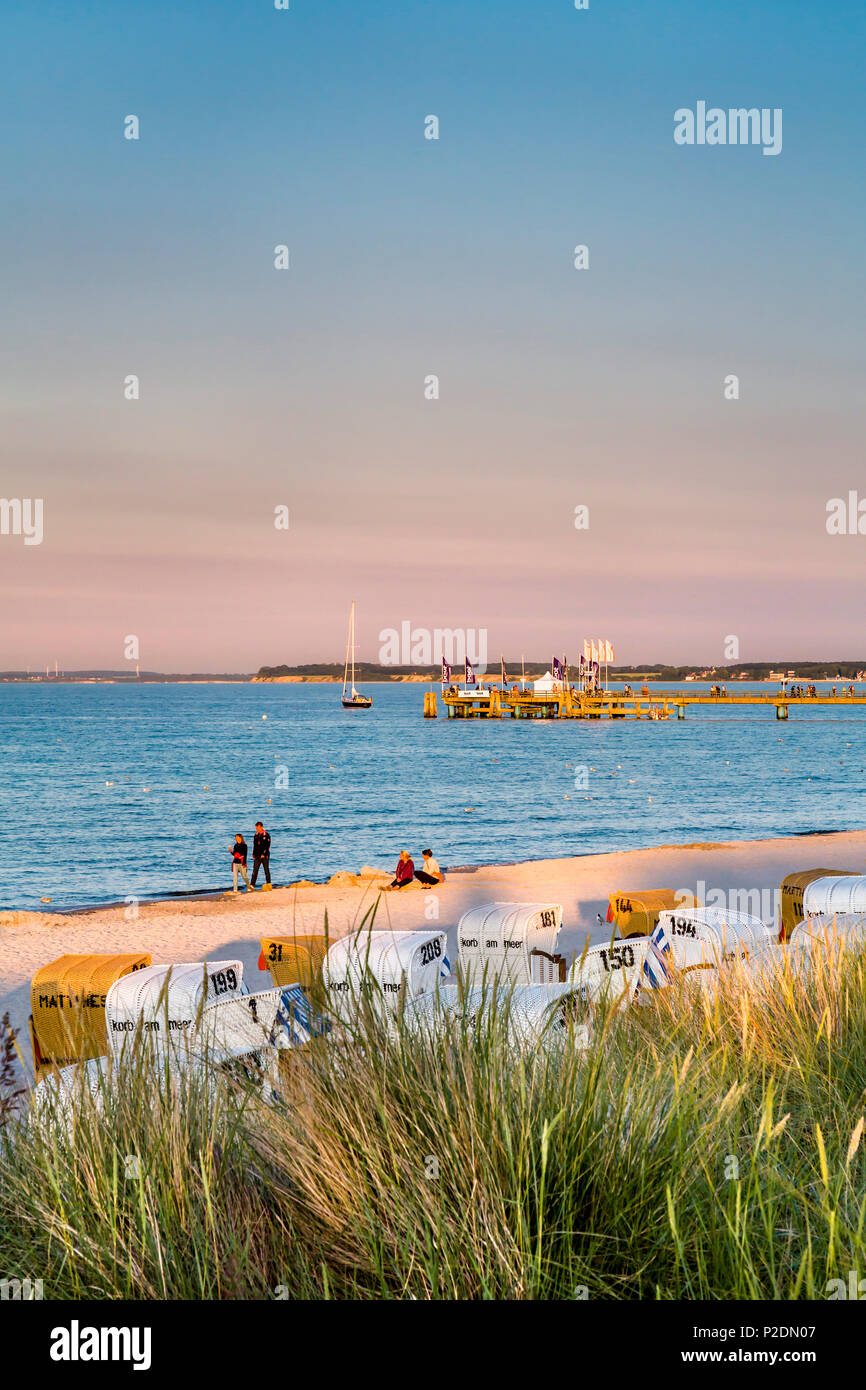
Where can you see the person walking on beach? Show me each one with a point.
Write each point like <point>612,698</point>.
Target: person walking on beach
<point>431,873</point>
<point>239,861</point>
<point>405,871</point>
<point>261,854</point>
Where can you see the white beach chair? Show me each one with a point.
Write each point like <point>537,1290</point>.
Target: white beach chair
<point>384,965</point>
<point>510,941</point>
<point>533,1013</point>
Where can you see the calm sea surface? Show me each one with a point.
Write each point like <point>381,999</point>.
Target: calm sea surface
<point>114,790</point>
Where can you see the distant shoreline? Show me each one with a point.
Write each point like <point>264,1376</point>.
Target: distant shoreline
<point>369,674</point>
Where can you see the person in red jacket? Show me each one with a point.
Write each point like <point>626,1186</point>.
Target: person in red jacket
<point>405,871</point>
<point>239,861</point>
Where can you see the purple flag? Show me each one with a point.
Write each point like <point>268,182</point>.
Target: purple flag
<point>557,669</point>
<point>504,677</point>
<point>470,674</point>
<point>446,672</point>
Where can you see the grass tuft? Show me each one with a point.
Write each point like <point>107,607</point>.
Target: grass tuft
<point>708,1145</point>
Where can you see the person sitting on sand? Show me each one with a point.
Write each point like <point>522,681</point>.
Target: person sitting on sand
<point>405,871</point>
<point>239,861</point>
<point>431,873</point>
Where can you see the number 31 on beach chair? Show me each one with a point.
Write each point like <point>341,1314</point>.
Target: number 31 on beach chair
<point>293,960</point>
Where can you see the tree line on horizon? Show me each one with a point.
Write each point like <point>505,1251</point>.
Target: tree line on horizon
<point>371,671</point>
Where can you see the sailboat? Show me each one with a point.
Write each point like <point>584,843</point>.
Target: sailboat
<point>353,701</point>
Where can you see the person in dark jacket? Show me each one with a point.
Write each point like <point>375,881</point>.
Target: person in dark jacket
<point>239,861</point>
<point>261,854</point>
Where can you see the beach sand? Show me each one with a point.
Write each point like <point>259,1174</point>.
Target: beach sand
<point>224,925</point>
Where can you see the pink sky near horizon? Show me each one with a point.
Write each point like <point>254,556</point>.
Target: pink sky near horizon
<point>305,388</point>
<point>705,522</point>
<point>212,586</point>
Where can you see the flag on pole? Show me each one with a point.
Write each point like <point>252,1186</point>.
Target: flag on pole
<point>557,669</point>
<point>593,650</point>
<point>504,677</point>
<point>470,674</point>
<point>587,652</point>
<point>446,672</point>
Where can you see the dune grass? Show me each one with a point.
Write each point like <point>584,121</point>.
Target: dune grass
<point>708,1145</point>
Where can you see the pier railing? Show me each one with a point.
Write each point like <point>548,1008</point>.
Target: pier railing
<point>615,704</point>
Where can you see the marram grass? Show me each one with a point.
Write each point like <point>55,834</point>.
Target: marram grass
<point>707,1146</point>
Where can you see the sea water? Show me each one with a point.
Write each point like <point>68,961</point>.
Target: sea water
<point>116,791</point>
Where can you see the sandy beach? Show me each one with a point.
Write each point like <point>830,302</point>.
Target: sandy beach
<point>223,924</point>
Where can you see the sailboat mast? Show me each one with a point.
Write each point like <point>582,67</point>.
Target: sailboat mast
<point>348,645</point>
<point>353,646</point>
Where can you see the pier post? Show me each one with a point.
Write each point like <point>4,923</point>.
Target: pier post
<point>430,711</point>
<point>781,711</point>
<point>681,711</point>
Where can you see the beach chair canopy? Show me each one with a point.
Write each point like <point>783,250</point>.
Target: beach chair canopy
<point>842,897</point>
<point>708,935</point>
<point>67,998</point>
<point>163,1002</point>
<point>611,969</point>
<point>294,960</point>
<point>792,889</point>
<point>384,964</point>
<point>637,913</point>
<point>497,940</point>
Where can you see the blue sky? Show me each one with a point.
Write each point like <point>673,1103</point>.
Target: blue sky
<point>411,257</point>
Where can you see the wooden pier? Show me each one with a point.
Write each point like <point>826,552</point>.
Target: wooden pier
<point>610,704</point>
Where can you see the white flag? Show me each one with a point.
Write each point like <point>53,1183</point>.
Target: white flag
<point>609,654</point>
<point>586,651</point>
<point>593,649</point>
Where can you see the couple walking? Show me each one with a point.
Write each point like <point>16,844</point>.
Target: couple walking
<point>261,858</point>
<point>406,871</point>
